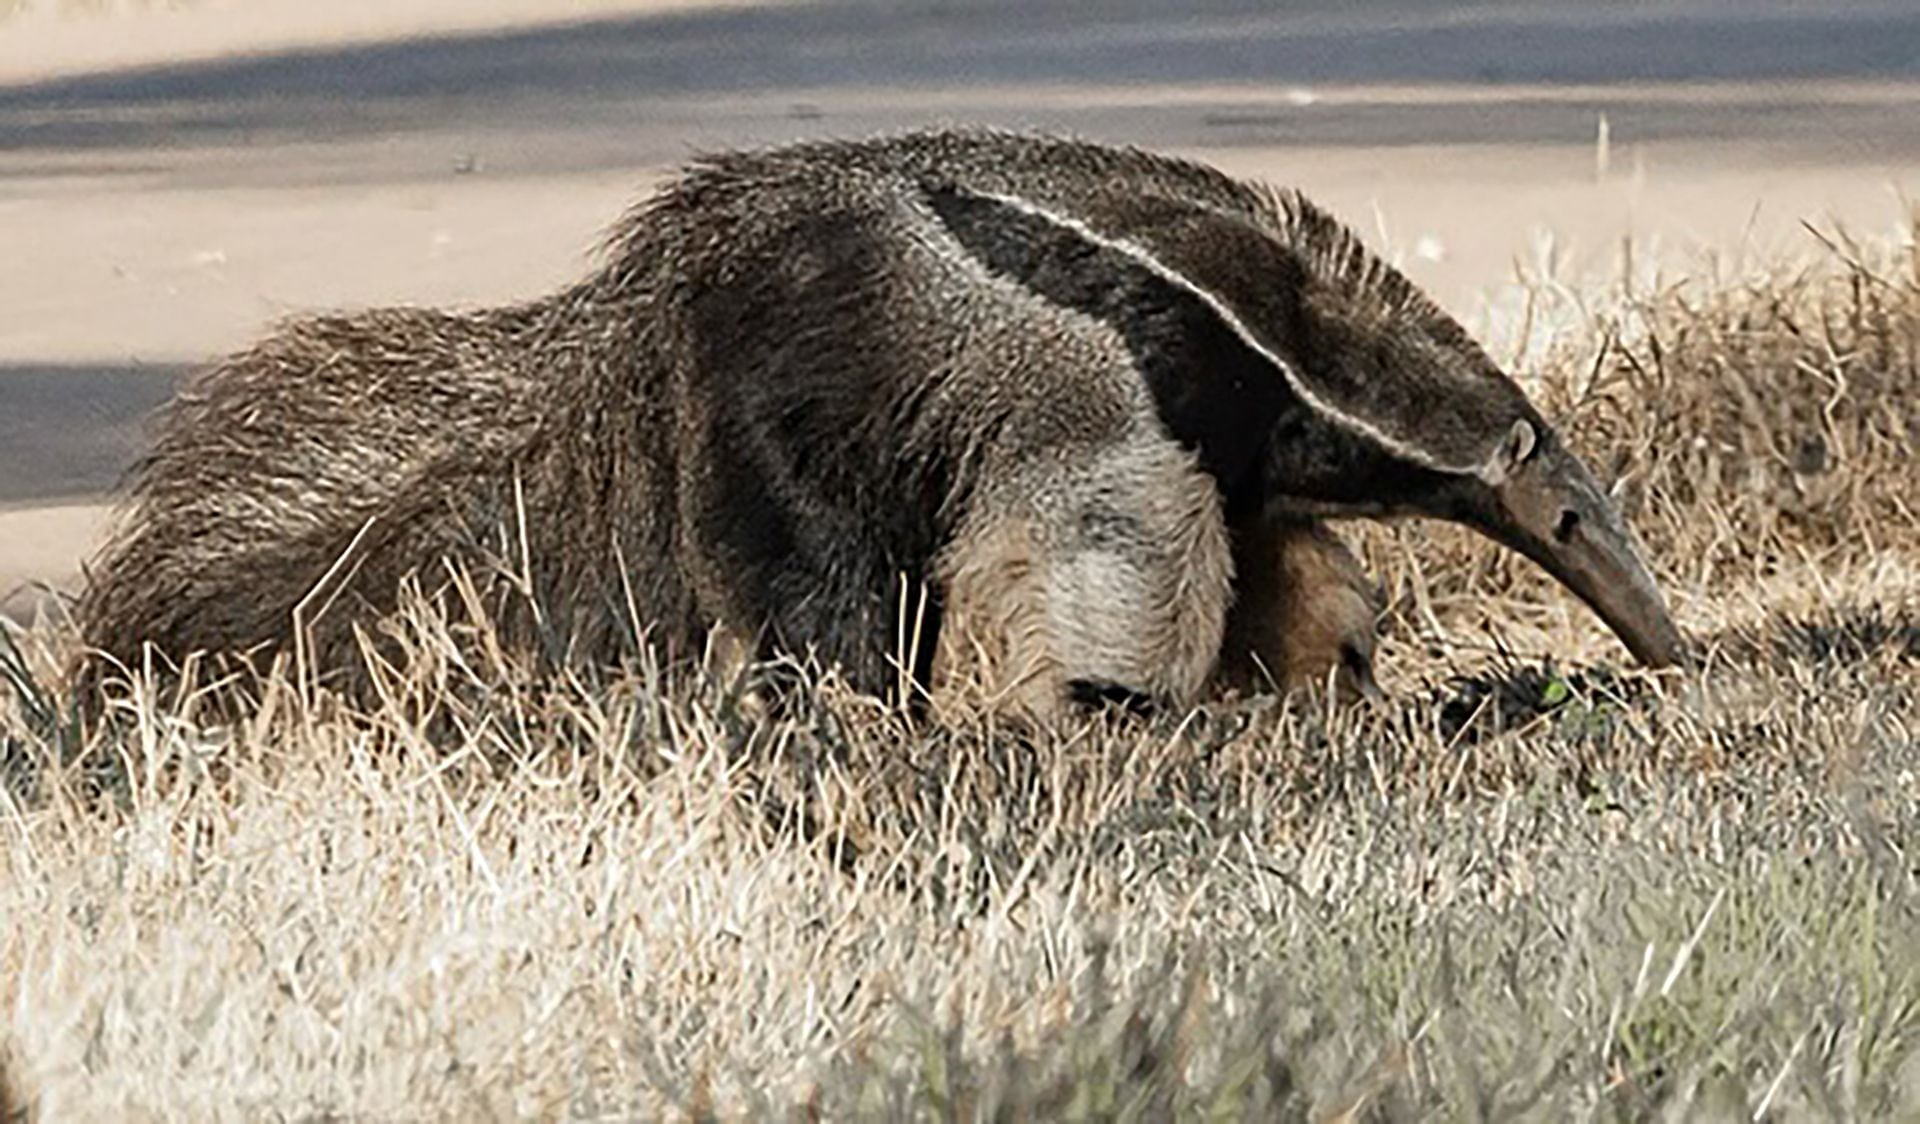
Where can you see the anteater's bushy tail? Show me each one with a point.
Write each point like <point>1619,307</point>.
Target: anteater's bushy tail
<point>289,485</point>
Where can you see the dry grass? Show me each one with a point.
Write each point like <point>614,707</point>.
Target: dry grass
<point>1543,888</point>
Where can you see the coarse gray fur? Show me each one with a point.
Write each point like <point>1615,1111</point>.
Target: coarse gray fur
<point>1066,389</point>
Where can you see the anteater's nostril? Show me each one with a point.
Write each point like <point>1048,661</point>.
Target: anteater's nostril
<point>1569,522</point>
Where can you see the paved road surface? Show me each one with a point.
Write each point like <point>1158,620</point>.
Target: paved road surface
<point>70,432</point>
<point>642,91</point>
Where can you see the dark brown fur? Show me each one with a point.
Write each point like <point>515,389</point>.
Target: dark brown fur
<point>804,382</point>
<point>1305,613</point>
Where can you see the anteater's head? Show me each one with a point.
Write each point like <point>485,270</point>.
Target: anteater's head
<point>1405,414</point>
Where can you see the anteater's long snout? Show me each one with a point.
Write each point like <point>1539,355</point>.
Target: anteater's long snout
<point>1549,509</point>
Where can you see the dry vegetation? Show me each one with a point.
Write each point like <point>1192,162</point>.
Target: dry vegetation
<point>1550,890</point>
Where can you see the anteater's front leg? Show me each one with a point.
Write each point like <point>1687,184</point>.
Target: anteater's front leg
<point>1304,612</point>
<point>1070,584</point>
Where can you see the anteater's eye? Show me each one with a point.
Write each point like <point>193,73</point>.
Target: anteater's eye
<point>1569,522</point>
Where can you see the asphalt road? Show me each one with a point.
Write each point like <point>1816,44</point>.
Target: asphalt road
<point>70,432</point>
<point>644,90</point>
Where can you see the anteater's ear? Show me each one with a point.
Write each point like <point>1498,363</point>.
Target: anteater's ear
<point>1512,452</point>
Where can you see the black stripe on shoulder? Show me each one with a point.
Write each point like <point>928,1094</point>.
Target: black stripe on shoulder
<point>1216,395</point>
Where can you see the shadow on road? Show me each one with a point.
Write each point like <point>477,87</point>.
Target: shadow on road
<point>70,432</point>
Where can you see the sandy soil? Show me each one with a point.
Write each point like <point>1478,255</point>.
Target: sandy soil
<point>49,39</point>
<point>43,544</point>
<point>154,217</point>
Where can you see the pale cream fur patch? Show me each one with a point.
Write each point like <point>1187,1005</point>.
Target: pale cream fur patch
<point>993,650</point>
<point>1030,608</point>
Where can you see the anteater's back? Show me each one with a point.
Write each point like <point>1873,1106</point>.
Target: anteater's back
<point>767,409</point>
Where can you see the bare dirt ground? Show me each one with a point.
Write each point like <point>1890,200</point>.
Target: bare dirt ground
<point>49,39</point>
